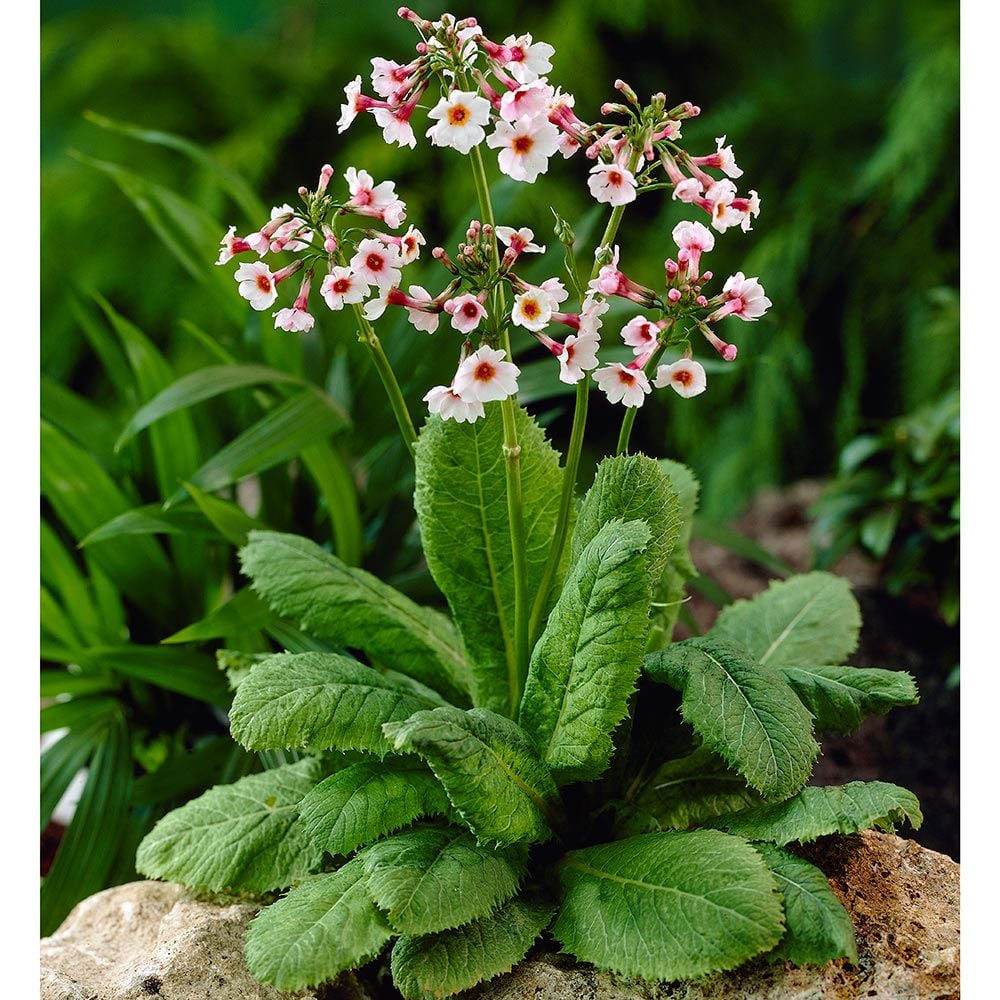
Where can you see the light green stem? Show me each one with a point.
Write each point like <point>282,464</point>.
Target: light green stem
<point>512,459</point>
<point>630,413</point>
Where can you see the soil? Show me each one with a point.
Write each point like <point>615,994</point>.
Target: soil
<point>916,747</point>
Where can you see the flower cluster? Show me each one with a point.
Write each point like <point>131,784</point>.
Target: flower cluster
<point>498,94</point>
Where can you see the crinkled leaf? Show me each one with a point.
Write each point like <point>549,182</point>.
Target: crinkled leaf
<point>240,837</point>
<point>352,608</point>
<point>668,905</point>
<point>461,502</point>
<point>317,701</point>
<point>489,768</point>
<point>746,713</point>
<point>818,928</point>
<point>585,665</point>
<point>439,965</point>
<point>630,488</point>
<point>841,698</point>
<point>812,618</point>
<point>436,878</point>
<point>368,800</point>
<point>818,811</point>
<point>326,924</point>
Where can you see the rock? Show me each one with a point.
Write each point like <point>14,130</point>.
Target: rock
<point>904,901</point>
<point>153,939</point>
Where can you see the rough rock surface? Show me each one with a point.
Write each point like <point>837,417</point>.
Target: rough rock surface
<point>904,901</point>
<point>153,939</point>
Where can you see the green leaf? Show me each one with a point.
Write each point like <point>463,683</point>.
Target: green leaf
<point>746,713</point>
<point>278,436</point>
<point>326,924</point>
<point>585,665</point>
<point>668,905</point>
<point>461,503</point>
<point>489,768</point>
<point>243,612</point>
<point>60,572</point>
<point>819,929</point>
<point>243,837</point>
<point>353,608</point>
<point>317,701</point>
<point>808,619</point>
<point>687,791</point>
<point>185,772</point>
<point>439,965</point>
<point>436,878</point>
<point>78,417</point>
<point>820,810</point>
<point>840,698</point>
<point>335,481</point>
<point>230,520</point>
<point>630,488</point>
<point>150,519</point>
<point>368,800</point>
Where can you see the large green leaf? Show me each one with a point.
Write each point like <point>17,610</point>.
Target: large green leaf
<point>585,665</point>
<point>630,488</point>
<point>746,713</point>
<point>439,965</point>
<point>436,878</point>
<point>365,801</point>
<point>461,502</point>
<point>489,768</point>
<point>350,607</point>
<point>841,698</point>
<point>804,620</point>
<point>818,928</point>
<point>240,837</point>
<point>318,701</point>
<point>326,924</point>
<point>818,811</point>
<point>668,905</point>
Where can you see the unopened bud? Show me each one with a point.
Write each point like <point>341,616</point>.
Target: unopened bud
<point>303,192</point>
<point>674,295</point>
<point>670,266</point>
<point>701,301</point>
<point>563,230</point>
<point>629,93</point>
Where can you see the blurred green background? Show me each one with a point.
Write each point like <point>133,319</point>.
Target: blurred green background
<point>163,123</point>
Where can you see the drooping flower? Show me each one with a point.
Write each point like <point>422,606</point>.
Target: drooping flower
<point>622,384</point>
<point>686,377</point>
<point>640,334</point>
<point>449,405</point>
<point>612,184</point>
<point>466,312</point>
<point>484,376</point>
<point>421,319</point>
<point>342,286</point>
<point>745,298</point>
<point>377,263</point>
<point>525,146</point>
<point>532,309</point>
<point>692,239</point>
<point>395,125</point>
<point>257,285</point>
<point>297,319</point>
<point>460,119</point>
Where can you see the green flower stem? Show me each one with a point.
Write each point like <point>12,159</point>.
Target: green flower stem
<point>512,458</point>
<point>629,419</point>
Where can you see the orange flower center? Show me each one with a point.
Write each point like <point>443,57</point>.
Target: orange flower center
<point>522,144</point>
<point>625,377</point>
<point>485,371</point>
<point>264,283</point>
<point>614,178</point>
<point>683,376</point>
<point>458,115</point>
<point>530,309</point>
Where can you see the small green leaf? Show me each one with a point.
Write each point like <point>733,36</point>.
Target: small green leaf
<point>585,665</point>
<point>746,713</point>
<point>317,701</point>
<point>353,608</point>
<point>439,965</point>
<point>819,929</point>
<point>436,878</point>
<point>326,924</point>
<point>239,837</point>
<point>807,619</point>
<point>489,768</point>
<point>368,800</point>
<point>150,519</point>
<point>243,612</point>
<point>668,905</point>
<point>230,520</point>
<point>818,811</point>
<point>841,698</point>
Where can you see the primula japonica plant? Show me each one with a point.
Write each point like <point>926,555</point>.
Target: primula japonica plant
<point>547,760</point>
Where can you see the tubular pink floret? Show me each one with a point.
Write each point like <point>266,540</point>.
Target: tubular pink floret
<point>728,351</point>
<point>287,272</point>
<point>326,172</point>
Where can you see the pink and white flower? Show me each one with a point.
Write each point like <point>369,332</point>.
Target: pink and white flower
<point>745,299</point>
<point>722,159</point>
<point>590,321</point>
<point>528,60</point>
<point>395,125</point>
<point>283,237</point>
<point>342,286</point>
<point>688,190</point>
<point>257,285</point>
<point>466,312</point>
<point>377,263</point>
<point>297,319</point>
<point>519,240</point>
<point>622,384</point>
<point>578,356</point>
<point>419,318</point>
<point>686,377</point>
<point>612,184</point>
<point>449,405</point>
<point>527,101</point>
<point>525,146</point>
<point>692,239</point>
<point>484,376</point>
<point>532,309</point>
<point>231,244</point>
<point>355,104</point>
<point>377,201</point>
<point>409,244</point>
<point>460,119</point>
<point>640,334</point>
<point>555,289</point>
<point>718,201</point>
<point>388,76</point>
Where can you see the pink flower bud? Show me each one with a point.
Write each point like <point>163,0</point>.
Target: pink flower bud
<point>674,295</point>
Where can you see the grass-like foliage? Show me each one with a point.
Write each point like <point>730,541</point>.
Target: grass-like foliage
<point>454,809</point>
